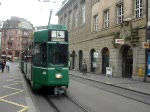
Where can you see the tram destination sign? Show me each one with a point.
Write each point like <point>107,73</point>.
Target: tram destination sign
<point>119,41</point>
<point>57,35</point>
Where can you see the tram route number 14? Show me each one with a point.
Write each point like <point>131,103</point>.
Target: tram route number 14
<point>58,34</point>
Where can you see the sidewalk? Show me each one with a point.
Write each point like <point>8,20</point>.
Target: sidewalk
<point>15,96</point>
<point>125,83</point>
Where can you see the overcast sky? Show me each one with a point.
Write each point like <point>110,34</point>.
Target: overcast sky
<point>34,11</point>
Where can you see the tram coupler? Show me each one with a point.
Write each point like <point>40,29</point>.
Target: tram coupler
<point>59,90</point>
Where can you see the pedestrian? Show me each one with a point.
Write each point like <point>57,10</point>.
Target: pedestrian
<point>0,65</point>
<point>8,65</point>
<point>3,66</point>
<point>84,68</point>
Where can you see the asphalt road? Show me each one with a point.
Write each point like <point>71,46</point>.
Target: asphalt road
<point>16,94</point>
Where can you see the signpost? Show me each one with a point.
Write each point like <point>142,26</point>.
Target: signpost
<point>95,55</point>
<point>108,71</point>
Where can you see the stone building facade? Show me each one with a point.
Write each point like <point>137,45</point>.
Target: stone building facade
<point>16,34</point>
<point>106,33</point>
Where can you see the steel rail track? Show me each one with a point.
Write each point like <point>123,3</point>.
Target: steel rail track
<point>78,104</point>
<point>52,104</point>
<point>123,89</point>
<point>56,109</point>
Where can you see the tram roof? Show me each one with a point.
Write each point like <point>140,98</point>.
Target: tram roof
<point>41,35</point>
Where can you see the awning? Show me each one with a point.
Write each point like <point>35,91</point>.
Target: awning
<point>8,56</point>
<point>3,55</point>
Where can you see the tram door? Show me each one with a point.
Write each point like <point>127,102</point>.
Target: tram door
<point>127,63</point>
<point>105,60</point>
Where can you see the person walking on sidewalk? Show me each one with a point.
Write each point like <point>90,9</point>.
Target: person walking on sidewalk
<point>3,66</point>
<point>8,65</point>
<point>84,68</point>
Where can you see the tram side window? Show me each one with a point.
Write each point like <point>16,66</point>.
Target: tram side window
<point>41,55</point>
<point>37,60</point>
<point>37,56</point>
<point>44,53</point>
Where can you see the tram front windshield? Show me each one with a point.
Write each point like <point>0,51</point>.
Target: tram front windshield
<point>57,54</point>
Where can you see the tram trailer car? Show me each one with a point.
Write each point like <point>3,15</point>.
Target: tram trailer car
<point>47,59</point>
<point>22,62</point>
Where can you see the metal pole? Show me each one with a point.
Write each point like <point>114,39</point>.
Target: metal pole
<point>50,17</point>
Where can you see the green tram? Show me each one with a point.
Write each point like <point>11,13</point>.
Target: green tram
<point>45,62</point>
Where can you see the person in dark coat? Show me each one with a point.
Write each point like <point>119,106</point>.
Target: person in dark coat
<point>0,65</point>
<point>84,68</point>
<point>3,66</point>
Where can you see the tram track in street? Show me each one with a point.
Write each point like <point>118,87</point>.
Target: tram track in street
<point>64,103</point>
<point>52,104</point>
<point>137,96</point>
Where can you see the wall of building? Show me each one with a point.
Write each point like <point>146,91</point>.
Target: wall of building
<point>16,34</point>
<point>85,39</point>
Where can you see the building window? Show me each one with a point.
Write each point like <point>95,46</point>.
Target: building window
<point>106,18</point>
<point>25,33</point>
<point>95,22</point>
<point>11,25</point>
<point>19,32</point>
<point>138,8</point>
<point>11,32</point>
<point>83,12</point>
<point>76,18</point>
<point>65,21</point>
<point>119,13</point>
<point>61,20</point>
<point>96,1</point>
<point>70,20</point>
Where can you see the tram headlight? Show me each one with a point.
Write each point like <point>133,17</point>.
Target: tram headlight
<point>58,76</point>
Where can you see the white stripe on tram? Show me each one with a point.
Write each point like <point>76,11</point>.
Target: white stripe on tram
<point>49,68</point>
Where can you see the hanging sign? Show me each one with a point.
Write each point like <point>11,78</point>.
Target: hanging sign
<point>145,45</point>
<point>119,41</point>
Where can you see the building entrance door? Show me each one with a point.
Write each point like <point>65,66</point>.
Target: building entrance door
<point>92,60</point>
<point>80,60</point>
<point>73,60</point>
<point>105,60</point>
<point>127,62</point>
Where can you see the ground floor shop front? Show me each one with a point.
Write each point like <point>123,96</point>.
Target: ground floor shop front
<point>126,60</point>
